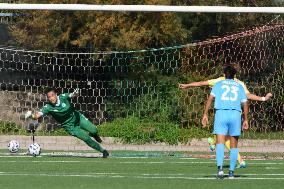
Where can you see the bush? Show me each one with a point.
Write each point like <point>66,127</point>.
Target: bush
<point>140,131</point>
<point>56,132</point>
<point>10,128</point>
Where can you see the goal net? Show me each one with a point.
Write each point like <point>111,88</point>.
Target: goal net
<point>134,95</point>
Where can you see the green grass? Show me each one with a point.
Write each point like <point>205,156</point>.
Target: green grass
<point>121,173</point>
<point>276,135</point>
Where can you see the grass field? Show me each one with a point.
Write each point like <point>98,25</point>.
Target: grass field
<point>20,172</point>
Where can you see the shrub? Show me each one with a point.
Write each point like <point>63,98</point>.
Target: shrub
<point>10,128</point>
<point>140,131</point>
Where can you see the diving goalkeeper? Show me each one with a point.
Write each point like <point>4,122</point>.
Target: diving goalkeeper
<point>75,123</point>
<point>250,96</point>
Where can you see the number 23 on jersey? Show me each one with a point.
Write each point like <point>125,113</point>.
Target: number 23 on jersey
<point>229,93</point>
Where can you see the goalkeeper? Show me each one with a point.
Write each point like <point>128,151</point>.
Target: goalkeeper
<point>250,96</point>
<point>75,123</point>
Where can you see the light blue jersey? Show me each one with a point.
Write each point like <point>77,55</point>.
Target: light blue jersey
<point>228,98</point>
<point>228,95</point>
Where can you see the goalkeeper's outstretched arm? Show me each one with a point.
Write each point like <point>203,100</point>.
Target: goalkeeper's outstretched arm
<point>36,115</point>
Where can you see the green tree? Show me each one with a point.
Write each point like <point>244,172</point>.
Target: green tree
<point>53,30</point>
<point>205,25</point>
<point>65,30</point>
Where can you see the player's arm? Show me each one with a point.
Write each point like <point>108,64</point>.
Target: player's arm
<point>245,114</point>
<point>251,96</point>
<point>193,84</point>
<point>244,101</point>
<point>36,115</point>
<point>259,98</point>
<point>205,114</point>
<point>74,94</point>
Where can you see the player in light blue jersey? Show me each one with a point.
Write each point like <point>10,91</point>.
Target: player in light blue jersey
<point>229,96</point>
<point>212,141</point>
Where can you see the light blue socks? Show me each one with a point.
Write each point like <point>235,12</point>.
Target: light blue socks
<point>233,158</point>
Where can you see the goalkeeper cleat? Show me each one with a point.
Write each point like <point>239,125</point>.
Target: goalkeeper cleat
<point>211,142</point>
<point>220,173</point>
<point>105,154</point>
<point>231,175</point>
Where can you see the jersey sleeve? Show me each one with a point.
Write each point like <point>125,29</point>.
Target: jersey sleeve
<point>214,91</point>
<point>45,110</point>
<point>245,88</point>
<point>243,96</point>
<point>212,82</point>
<point>66,96</point>
<point>243,85</point>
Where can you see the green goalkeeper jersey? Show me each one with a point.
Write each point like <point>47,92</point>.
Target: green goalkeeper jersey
<point>63,112</point>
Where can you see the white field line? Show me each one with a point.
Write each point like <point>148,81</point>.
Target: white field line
<point>137,174</point>
<point>97,161</point>
<point>97,155</point>
<point>148,176</point>
<point>273,168</point>
<point>13,156</point>
<point>129,162</point>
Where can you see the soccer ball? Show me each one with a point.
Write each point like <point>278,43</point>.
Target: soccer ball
<point>34,149</point>
<point>13,146</point>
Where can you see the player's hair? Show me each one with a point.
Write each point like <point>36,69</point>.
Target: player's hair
<point>229,71</point>
<point>236,66</point>
<point>49,89</point>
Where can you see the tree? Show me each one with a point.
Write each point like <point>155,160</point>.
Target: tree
<point>65,30</point>
<point>57,30</point>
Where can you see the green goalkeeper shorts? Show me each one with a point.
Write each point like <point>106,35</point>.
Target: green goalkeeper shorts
<point>84,125</point>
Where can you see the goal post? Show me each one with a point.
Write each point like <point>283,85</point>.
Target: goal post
<point>142,8</point>
<point>134,95</point>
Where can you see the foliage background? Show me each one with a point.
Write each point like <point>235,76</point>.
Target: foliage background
<point>166,118</point>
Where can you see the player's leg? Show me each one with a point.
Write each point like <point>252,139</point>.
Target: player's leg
<point>241,162</point>
<point>233,155</point>
<point>220,150</point>
<point>234,132</point>
<point>227,143</point>
<point>81,134</point>
<point>228,146</point>
<point>212,143</point>
<point>90,127</point>
<point>221,130</point>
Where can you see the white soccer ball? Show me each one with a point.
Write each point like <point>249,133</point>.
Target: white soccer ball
<point>13,146</point>
<point>34,149</point>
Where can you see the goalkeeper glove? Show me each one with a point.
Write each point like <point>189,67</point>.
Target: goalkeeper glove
<point>28,114</point>
<point>75,93</point>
